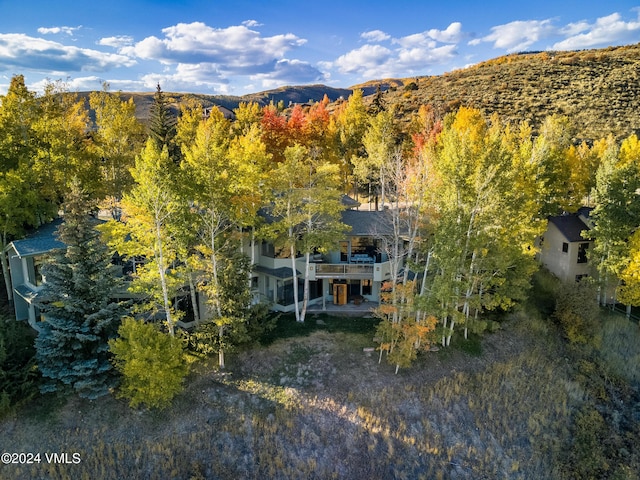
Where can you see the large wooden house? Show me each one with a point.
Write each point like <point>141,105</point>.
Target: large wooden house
<point>353,272</point>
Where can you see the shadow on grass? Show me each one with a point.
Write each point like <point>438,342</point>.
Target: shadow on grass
<point>287,327</point>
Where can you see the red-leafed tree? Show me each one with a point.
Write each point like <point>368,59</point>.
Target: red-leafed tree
<point>275,133</point>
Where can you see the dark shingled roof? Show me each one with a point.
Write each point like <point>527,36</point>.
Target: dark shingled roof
<point>349,202</point>
<point>43,240</point>
<point>282,272</point>
<point>367,223</point>
<point>571,226</point>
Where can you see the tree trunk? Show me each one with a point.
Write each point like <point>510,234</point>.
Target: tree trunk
<point>214,271</point>
<point>451,325</point>
<point>423,287</point>
<point>194,298</point>
<point>221,351</point>
<point>163,280</point>
<point>444,327</point>
<point>305,294</point>
<point>294,273</point>
<point>253,252</point>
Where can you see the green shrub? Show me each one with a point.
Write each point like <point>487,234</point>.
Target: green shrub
<point>151,362</point>
<point>587,459</point>
<point>577,312</point>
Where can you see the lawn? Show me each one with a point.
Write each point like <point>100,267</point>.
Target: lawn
<point>311,403</point>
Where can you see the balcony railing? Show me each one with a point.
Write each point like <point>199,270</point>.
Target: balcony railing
<point>343,269</point>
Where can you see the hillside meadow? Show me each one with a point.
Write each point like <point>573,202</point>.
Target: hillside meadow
<point>519,403</point>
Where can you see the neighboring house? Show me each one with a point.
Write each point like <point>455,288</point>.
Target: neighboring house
<point>26,256</point>
<point>563,248</point>
<point>353,272</point>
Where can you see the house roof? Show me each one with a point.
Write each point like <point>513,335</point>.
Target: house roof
<point>349,202</point>
<point>43,240</point>
<point>282,272</point>
<point>26,292</point>
<point>368,223</point>
<point>571,226</point>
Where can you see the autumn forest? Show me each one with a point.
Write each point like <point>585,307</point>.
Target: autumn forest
<point>467,197</point>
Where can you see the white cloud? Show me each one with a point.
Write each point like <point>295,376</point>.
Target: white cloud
<point>366,59</point>
<point>518,35</point>
<point>375,36</point>
<point>292,72</point>
<point>251,23</point>
<point>19,51</point>
<point>56,30</point>
<point>410,55</point>
<point>575,28</point>
<point>187,78</point>
<point>452,34</point>
<point>235,49</point>
<point>608,30</point>
<point>117,41</point>
<point>415,40</point>
<point>430,38</point>
<point>522,34</point>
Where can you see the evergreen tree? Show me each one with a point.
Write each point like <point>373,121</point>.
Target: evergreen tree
<point>162,127</point>
<point>76,300</point>
<point>17,361</point>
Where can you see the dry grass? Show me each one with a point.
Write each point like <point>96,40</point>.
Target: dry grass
<point>319,407</point>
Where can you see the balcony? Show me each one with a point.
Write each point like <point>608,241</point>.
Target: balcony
<point>343,270</point>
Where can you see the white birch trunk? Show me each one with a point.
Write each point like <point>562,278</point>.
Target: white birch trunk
<point>444,328</point>
<point>221,351</point>
<point>294,273</point>
<point>253,252</point>
<point>305,294</point>
<point>452,324</point>
<point>194,298</point>
<point>163,280</point>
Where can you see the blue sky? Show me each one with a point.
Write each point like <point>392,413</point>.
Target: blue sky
<point>244,46</point>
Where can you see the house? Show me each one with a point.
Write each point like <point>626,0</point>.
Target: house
<point>355,270</point>
<point>563,248</point>
<point>26,256</point>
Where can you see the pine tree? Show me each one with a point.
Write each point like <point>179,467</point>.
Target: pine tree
<point>76,300</point>
<point>162,128</point>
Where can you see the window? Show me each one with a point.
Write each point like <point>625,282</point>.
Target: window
<point>565,247</point>
<point>366,287</point>
<point>582,252</point>
<point>285,291</point>
<point>267,250</point>
<point>344,251</point>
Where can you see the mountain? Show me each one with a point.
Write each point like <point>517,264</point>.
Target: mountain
<point>598,89</point>
<point>287,95</point>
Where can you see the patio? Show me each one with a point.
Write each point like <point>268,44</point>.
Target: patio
<point>350,309</point>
